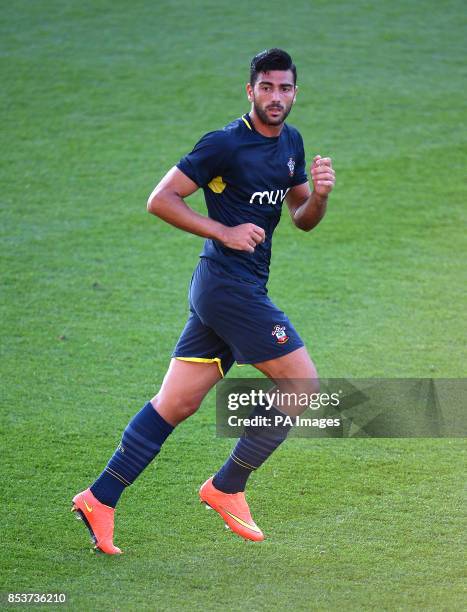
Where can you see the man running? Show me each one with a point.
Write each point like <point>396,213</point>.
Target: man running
<point>246,170</point>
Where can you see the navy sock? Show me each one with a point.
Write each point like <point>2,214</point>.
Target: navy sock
<point>141,442</point>
<point>250,452</point>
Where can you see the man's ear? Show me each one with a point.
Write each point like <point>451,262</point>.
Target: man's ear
<point>249,92</point>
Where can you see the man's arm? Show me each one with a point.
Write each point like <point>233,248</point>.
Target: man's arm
<point>307,208</point>
<point>167,202</point>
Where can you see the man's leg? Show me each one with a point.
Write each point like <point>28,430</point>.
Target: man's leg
<point>256,332</point>
<point>293,373</point>
<point>182,391</point>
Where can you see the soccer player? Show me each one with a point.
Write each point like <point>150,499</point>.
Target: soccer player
<point>246,170</point>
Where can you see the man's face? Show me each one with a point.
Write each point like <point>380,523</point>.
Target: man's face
<point>273,95</point>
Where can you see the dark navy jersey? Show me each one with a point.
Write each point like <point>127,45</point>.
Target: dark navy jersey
<point>245,177</point>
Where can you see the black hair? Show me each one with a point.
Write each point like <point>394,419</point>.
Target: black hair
<point>271,59</point>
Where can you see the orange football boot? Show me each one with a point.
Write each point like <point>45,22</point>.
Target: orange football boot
<point>233,509</point>
<point>99,519</point>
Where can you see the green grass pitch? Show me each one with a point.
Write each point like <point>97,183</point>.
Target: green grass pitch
<point>98,100</point>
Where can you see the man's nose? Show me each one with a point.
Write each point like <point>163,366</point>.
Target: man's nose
<point>276,96</point>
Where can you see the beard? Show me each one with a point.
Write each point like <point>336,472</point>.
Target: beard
<point>262,114</point>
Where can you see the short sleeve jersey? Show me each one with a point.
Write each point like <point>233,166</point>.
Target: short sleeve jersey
<point>245,177</point>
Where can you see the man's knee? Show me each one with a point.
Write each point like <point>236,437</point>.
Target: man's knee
<point>177,406</point>
<point>311,386</point>
<point>295,395</point>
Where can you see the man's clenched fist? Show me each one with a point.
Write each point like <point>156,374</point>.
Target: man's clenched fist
<point>243,237</point>
<point>322,175</point>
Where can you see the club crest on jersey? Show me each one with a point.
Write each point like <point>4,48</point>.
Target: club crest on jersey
<point>291,166</point>
<point>279,332</point>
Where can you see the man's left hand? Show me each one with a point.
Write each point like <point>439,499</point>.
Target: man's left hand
<point>323,175</point>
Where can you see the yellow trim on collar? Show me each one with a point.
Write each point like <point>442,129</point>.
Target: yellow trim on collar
<point>246,122</point>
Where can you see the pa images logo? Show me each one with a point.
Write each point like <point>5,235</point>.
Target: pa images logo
<point>278,331</point>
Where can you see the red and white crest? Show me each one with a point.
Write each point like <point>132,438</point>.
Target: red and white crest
<point>291,166</point>
<point>279,332</point>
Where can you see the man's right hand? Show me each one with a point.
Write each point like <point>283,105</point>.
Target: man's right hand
<point>243,237</point>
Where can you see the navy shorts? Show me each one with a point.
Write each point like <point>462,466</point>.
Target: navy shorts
<point>232,319</point>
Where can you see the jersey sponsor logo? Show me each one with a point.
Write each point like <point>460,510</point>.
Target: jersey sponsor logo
<point>291,166</point>
<point>279,332</point>
<point>269,197</point>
